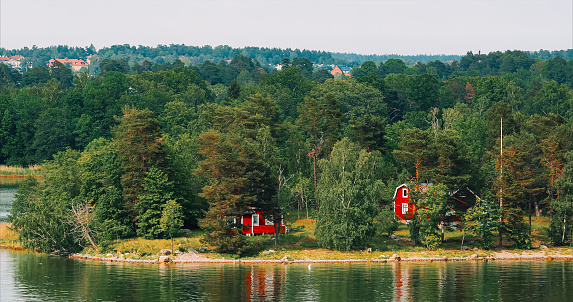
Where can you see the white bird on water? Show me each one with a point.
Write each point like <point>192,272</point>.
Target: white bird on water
<point>309,267</point>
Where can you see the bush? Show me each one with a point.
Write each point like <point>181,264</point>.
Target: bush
<point>385,221</point>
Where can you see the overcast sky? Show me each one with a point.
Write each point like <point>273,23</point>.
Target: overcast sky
<point>364,27</point>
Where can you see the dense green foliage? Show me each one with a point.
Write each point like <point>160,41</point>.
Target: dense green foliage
<point>122,143</point>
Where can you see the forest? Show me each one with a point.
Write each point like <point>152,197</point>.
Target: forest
<point>145,148</point>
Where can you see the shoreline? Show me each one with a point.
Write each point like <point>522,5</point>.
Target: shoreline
<point>545,254</point>
<point>197,258</point>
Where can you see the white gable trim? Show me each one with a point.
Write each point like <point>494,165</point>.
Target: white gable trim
<point>398,188</point>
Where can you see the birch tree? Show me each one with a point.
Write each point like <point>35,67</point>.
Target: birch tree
<point>348,195</point>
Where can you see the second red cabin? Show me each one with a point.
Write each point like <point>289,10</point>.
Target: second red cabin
<point>255,221</point>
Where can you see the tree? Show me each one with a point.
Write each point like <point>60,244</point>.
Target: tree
<point>413,151</point>
<point>171,219</point>
<point>430,210</point>
<point>368,131</point>
<point>347,196</point>
<point>42,211</point>
<point>51,134</point>
<point>62,74</point>
<point>140,148</point>
<point>238,166</point>
<point>157,191</point>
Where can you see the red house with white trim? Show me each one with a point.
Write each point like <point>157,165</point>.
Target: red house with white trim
<point>403,206</point>
<point>255,221</point>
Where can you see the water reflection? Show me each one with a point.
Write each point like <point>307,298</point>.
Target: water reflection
<point>31,277</point>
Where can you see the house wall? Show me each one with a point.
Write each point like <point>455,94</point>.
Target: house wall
<point>403,206</point>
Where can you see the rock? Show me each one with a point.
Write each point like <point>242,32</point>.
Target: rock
<point>121,256</point>
<point>185,231</point>
<point>369,250</point>
<point>268,252</point>
<point>395,237</point>
<point>202,250</point>
<point>543,247</point>
<point>445,258</point>
<point>474,256</point>
<point>164,259</point>
<point>465,248</point>
<point>109,255</point>
<point>166,251</point>
<point>395,257</point>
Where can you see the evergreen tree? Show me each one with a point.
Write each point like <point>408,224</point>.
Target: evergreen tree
<point>140,148</point>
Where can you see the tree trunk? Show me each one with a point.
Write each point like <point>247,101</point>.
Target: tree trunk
<point>276,233</point>
<point>314,158</point>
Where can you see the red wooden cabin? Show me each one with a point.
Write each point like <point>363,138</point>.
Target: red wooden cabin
<point>255,222</point>
<point>403,206</point>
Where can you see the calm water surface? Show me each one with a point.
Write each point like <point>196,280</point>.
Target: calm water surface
<point>8,188</point>
<point>34,277</point>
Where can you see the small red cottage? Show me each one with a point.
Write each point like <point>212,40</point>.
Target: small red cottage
<point>403,206</point>
<point>254,222</point>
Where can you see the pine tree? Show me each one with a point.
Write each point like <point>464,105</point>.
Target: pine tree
<point>140,147</point>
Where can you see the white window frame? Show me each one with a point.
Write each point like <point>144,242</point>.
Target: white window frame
<point>257,219</point>
<point>405,208</point>
<point>268,222</point>
<point>405,192</point>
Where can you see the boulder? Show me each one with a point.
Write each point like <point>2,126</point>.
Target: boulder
<point>185,231</point>
<point>164,259</point>
<point>166,251</point>
<point>395,257</point>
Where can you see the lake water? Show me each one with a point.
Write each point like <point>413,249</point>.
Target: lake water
<point>8,188</point>
<point>34,277</point>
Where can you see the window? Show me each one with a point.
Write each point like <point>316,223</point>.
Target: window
<point>255,220</point>
<point>269,220</point>
<point>404,208</point>
<point>405,192</point>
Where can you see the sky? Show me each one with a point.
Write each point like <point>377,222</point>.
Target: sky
<point>406,27</point>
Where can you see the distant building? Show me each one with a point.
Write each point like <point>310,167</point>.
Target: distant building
<point>14,61</point>
<point>74,64</point>
<point>338,71</point>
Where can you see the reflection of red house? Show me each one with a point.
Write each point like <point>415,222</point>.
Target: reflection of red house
<point>255,222</point>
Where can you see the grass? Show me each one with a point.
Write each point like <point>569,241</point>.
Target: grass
<point>18,172</point>
<point>8,236</point>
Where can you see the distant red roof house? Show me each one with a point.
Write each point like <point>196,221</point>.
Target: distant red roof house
<point>74,64</point>
<point>339,71</point>
<point>13,61</point>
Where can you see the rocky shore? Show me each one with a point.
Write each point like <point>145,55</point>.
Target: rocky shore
<point>194,257</point>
